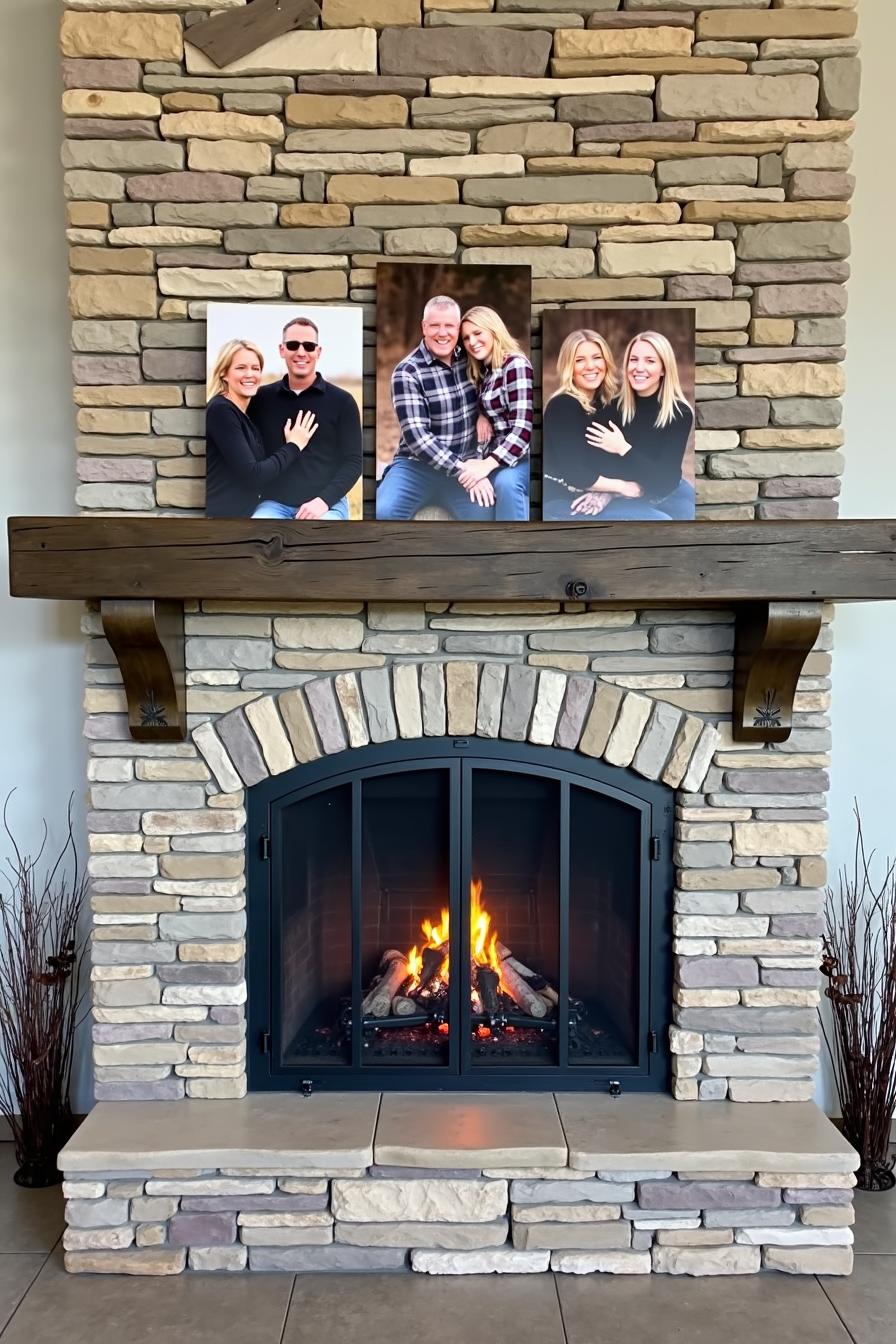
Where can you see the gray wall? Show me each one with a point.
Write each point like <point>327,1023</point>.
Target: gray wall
<point>40,651</point>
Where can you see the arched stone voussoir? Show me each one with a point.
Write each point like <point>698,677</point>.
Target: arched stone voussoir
<point>511,702</point>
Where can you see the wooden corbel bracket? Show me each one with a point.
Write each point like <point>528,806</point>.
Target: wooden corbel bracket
<point>147,638</point>
<point>772,642</point>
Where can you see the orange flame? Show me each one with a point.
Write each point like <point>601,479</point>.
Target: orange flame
<point>483,941</point>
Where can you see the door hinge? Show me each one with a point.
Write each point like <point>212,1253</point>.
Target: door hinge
<point>264,1042</point>
<point>654,848</point>
<point>652,1043</point>
<point>264,848</point>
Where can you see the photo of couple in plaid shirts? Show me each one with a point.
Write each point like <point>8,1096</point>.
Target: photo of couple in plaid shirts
<point>463,399</point>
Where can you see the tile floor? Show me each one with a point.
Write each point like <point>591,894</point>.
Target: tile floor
<point>40,1304</point>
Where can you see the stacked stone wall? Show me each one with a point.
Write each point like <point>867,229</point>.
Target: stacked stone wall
<point>504,1221</point>
<point>627,150</point>
<point>647,692</point>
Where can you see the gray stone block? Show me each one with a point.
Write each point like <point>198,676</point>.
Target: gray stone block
<point>475,113</point>
<point>204,652</point>
<point>148,796</point>
<point>606,108</point>
<point>579,691</point>
<point>823,412</point>
<point>96,1212</point>
<point>319,1259</point>
<point>519,699</point>
<point>692,639</point>
<point>770,1217</point>
<point>715,972</point>
<point>346,240</point>
<point>202,1229</point>
<point>242,746</point>
<point>203,927</point>
<point>511,645</point>
<point>278,1203</point>
<point>571,1192</point>
<point>774,1021</point>
<point>739,413</point>
<point>820,241</point>
<point>377,688</point>
<point>321,696</point>
<point>727,1195</point>
<point>461,51</point>
<point>167,1089</point>
<point>555,188</point>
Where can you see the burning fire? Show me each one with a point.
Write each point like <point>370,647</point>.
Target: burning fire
<point>483,946</point>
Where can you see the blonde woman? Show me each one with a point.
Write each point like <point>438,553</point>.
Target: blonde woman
<point>502,376</point>
<point>237,470</point>
<point>651,437</point>
<point>581,479</point>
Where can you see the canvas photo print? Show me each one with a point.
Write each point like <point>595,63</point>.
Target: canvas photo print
<point>618,414</point>
<point>454,392</point>
<point>284,411</point>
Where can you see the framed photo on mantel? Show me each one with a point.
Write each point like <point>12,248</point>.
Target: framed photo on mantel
<point>454,391</point>
<point>284,410</point>
<point>618,414</point>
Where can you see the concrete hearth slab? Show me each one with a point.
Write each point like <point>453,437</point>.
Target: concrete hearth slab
<point>469,1129</point>
<point>643,1132</point>
<point>263,1131</point>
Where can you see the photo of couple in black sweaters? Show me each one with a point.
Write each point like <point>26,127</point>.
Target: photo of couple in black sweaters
<point>616,433</point>
<point>288,448</point>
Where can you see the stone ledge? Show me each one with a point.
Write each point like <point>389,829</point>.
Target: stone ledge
<point>656,1131</point>
<point>339,1132</point>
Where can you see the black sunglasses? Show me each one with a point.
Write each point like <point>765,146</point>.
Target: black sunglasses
<point>310,346</point>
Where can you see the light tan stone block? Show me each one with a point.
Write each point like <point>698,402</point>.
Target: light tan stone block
<point>828,1215</point>
<point>312,216</point>
<point>248,159</point>
<point>545,262</point>
<point>87,214</point>
<point>348,693</point>
<point>268,728</point>
<point>758,838</point>
<point>180,494</point>
<point>459,6</point>
<point>97,1238</point>
<point>112,296</point>
<point>369,189</point>
<point>469,165</point>
<point>144,37</point>
<point>576,43</point>
<point>813,871</point>
<point>200,283</point>
<point>755,25</point>
<point>695,1236</point>
<point>627,730</point>
<point>358,13</point>
<point>406,692</point>
<point>108,103</point>
<point>109,260</point>
<point>778,128</point>
<point>513,235</point>
<point>756,1090</point>
<point>164,235</point>
<point>809,1259</point>
<point>728,879</point>
<point>600,1262</point>
<point>347,52</point>
<point>343,162</point>
<point>598,212</point>
<point>753,212</point>
<point>461,691</point>
<point>566,1213</point>
<point>604,709</point>
<point>772,331</point>
<point>702,1261</point>
<point>299,725</point>
<point>792,438</point>
<point>657,259</point>
<point>438,1200</point>
<point>190,102</point>
<point>221,126</point>
<point>792,380</point>
<point>143,1262</point>
<point>101,421</point>
<point>345,110</point>
<point>510,86</point>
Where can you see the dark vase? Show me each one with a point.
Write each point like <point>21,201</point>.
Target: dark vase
<point>37,1174</point>
<point>38,1144</point>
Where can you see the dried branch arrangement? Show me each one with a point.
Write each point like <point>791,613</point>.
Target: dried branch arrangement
<point>41,957</point>
<point>860,965</point>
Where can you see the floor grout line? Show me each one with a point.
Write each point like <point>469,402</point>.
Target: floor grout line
<point>37,1275</point>
<point>292,1290</point>
<point>835,1311</point>
<point>560,1308</point>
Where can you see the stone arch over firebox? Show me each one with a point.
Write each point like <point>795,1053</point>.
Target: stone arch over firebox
<point>513,703</point>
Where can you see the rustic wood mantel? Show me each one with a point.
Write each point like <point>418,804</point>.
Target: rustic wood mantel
<point>775,576</point>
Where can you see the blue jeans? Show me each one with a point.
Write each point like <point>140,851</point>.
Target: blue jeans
<point>511,486</point>
<point>677,506</point>
<point>272,508</point>
<point>409,485</point>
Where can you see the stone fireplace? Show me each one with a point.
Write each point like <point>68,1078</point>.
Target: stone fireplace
<point>659,882</point>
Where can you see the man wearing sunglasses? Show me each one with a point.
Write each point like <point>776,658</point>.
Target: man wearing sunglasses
<point>328,463</point>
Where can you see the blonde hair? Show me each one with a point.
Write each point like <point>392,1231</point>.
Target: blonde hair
<point>670,392</point>
<point>566,368</point>
<point>503,344</point>
<point>216,383</point>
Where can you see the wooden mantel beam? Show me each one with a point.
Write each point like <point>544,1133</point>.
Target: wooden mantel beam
<point>704,563</point>
<point>775,576</point>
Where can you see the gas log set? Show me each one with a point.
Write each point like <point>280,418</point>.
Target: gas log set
<point>411,988</point>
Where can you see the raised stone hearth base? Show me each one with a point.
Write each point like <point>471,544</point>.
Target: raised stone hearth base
<point>457,1184</point>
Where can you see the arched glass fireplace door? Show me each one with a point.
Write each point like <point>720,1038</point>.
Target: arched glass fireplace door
<point>457,913</point>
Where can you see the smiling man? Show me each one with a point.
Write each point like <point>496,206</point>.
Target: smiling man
<point>436,406</point>
<point>329,461</point>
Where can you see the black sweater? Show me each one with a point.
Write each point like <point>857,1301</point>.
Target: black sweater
<point>329,466</point>
<point>568,455</point>
<point>654,461</point>
<point>237,473</point>
<point>657,454</point>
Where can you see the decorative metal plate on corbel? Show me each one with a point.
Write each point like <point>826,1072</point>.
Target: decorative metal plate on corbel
<point>772,642</point>
<point>147,638</point>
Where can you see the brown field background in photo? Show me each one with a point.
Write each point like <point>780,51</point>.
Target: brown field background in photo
<point>402,291</point>
<point>618,326</point>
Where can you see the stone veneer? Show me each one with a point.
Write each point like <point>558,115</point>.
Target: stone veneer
<point>499,1220</point>
<point>646,691</point>
<point>628,150</point>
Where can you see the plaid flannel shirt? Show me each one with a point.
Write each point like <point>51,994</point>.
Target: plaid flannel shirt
<point>505,398</point>
<point>436,405</point>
